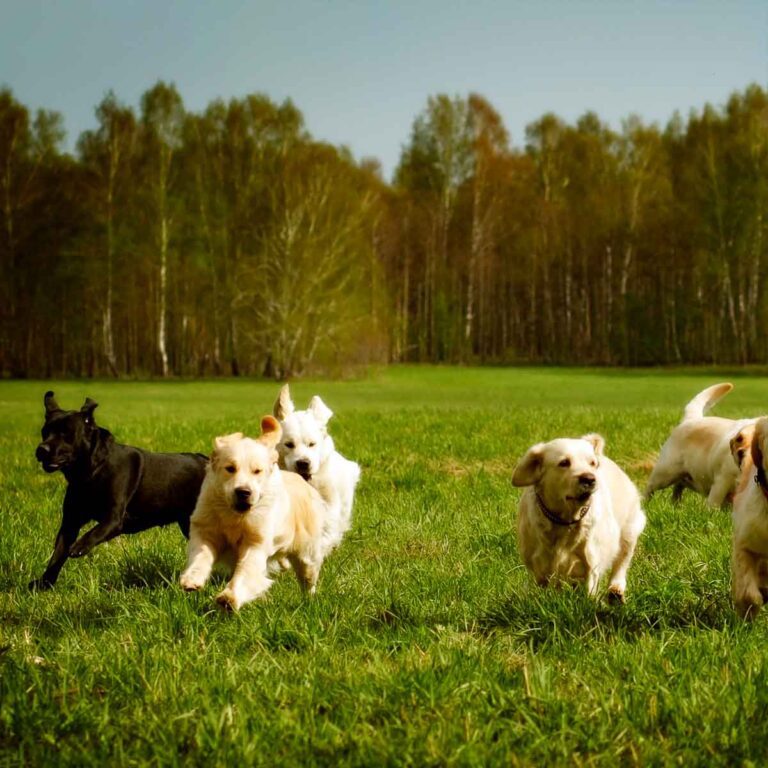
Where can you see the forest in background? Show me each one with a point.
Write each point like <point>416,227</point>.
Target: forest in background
<point>230,242</point>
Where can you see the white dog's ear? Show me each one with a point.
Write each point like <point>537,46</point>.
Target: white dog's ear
<point>219,443</point>
<point>320,411</point>
<point>530,468</point>
<point>283,406</point>
<point>596,441</point>
<point>271,431</point>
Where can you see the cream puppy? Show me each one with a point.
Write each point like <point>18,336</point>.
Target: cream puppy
<point>579,516</point>
<point>308,449</point>
<point>698,454</point>
<point>248,512</point>
<point>749,562</point>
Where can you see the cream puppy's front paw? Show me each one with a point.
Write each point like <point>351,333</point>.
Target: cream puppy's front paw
<point>227,600</point>
<point>190,582</point>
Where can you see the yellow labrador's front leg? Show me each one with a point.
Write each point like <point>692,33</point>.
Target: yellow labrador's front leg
<point>200,559</point>
<point>249,581</point>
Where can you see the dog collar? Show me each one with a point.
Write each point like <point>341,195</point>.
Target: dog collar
<point>556,519</point>
<point>761,481</point>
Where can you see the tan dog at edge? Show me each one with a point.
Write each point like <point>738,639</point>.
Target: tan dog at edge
<point>579,516</point>
<point>700,453</point>
<point>749,562</point>
<point>249,512</point>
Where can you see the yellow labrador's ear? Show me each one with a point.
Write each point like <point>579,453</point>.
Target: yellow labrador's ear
<point>596,441</point>
<point>283,406</point>
<point>758,442</point>
<point>320,411</point>
<point>530,468</point>
<point>270,431</point>
<point>220,442</point>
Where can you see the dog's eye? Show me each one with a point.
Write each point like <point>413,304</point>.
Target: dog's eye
<point>311,445</point>
<point>565,463</point>
<point>230,469</point>
<point>593,463</point>
<point>257,471</point>
<point>290,445</point>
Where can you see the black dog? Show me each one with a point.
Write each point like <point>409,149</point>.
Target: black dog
<point>124,489</point>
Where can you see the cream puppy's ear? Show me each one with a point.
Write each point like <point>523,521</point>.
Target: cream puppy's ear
<point>283,406</point>
<point>219,443</point>
<point>596,441</point>
<point>271,431</point>
<point>758,442</point>
<point>320,411</point>
<point>530,468</point>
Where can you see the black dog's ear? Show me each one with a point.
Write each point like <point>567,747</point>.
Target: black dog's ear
<point>88,407</point>
<point>51,406</point>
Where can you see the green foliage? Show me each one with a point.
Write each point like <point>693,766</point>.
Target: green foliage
<point>427,642</point>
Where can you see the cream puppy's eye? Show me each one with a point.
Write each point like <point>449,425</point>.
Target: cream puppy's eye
<point>230,468</point>
<point>593,463</point>
<point>311,445</point>
<point>565,463</point>
<point>290,445</point>
<point>257,471</point>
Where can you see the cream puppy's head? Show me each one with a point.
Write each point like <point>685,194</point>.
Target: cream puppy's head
<point>305,444</point>
<point>759,447</point>
<point>243,467</point>
<point>564,471</point>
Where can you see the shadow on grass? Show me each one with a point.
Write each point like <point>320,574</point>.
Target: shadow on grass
<point>566,615</point>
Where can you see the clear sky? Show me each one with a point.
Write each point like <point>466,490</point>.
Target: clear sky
<point>361,71</point>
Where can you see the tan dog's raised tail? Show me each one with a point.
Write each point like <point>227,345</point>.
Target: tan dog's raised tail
<point>250,512</point>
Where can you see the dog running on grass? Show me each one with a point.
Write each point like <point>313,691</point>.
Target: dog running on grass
<point>699,453</point>
<point>308,449</point>
<point>749,561</point>
<point>123,489</point>
<point>250,512</point>
<point>579,516</point>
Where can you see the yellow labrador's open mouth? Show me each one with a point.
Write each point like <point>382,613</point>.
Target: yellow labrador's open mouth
<point>581,498</point>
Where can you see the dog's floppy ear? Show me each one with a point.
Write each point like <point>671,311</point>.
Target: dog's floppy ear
<point>758,439</point>
<point>87,409</point>
<point>51,406</point>
<point>271,431</point>
<point>596,441</point>
<point>320,411</point>
<point>530,468</point>
<point>283,406</point>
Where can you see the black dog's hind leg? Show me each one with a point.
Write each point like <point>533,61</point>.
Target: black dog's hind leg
<point>64,540</point>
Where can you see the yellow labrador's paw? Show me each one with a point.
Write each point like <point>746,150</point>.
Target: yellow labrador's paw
<point>190,583</point>
<point>227,600</point>
<point>616,596</point>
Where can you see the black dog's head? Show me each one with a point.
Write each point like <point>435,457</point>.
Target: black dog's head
<point>66,434</point>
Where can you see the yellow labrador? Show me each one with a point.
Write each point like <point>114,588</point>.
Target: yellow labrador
<point>249,512</point>
<point>580,515</point>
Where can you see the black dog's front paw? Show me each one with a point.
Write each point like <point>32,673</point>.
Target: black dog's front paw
<point>40,585</point>
<point>78,549</point>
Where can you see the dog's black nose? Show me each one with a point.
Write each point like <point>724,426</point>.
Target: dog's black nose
<point>302,465</point>
<point>43,452</point>
<point>587,480</point>
<point>243,494</point>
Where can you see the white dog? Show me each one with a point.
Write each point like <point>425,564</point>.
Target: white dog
<point>308,449</point>
<point>699,453</point>
<point>580,515</point>
<point>749,563</point>
<point>248,512</point>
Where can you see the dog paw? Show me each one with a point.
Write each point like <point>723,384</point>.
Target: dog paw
<point>227,601</point>
<point>616,596</point>
<point>79,550</point>
<point>40,585</point>
<point>190,584</point>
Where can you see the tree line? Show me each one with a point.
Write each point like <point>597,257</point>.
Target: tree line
<point>231,242</point>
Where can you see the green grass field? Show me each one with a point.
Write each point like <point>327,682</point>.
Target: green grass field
<point>427,643</point>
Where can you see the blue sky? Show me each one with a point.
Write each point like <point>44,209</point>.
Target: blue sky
<point>361,71</point>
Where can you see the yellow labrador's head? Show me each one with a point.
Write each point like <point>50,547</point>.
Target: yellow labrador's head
<point>563,470</point>
<point>243,466</point>
<point>741,444</point>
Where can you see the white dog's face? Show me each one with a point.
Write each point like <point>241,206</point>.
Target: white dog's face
<point>565,470</point>
<point>305,444</point>
<point>243,467</point>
